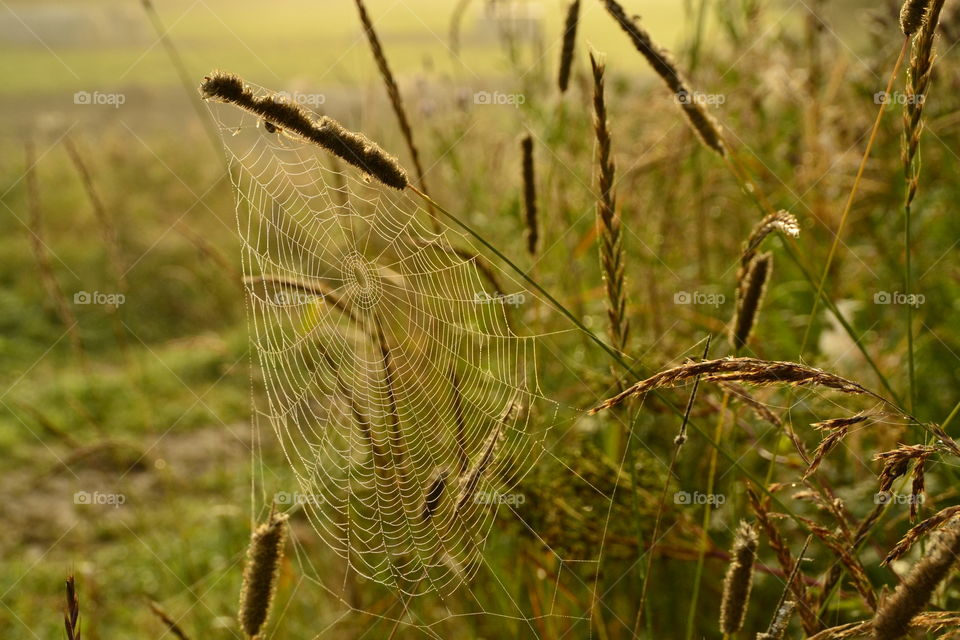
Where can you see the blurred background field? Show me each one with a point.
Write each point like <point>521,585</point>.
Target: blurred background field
<point>151,398</point>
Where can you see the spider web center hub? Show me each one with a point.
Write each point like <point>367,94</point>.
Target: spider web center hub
<point>362,280</point>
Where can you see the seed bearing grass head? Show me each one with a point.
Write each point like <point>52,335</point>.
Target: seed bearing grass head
<point>569,43</point>
<point>912,15</point>
<point>261,573</point>
<point>702,122</point>
<point>530,194</point>
<point>750,294</point>
<point>896,612</point>
<point>739,580</point>
<point>325,132</point>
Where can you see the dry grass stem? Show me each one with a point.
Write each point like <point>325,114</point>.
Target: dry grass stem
<point>171,625</point>
<point>702,122</point>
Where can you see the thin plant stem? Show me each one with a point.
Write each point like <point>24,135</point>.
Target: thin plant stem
<point>853,193</point>
<point>678,443</point>
<point>702,552</point>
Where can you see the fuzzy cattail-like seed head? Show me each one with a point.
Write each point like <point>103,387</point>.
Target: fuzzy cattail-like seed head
<point>529,194</point>
<point>895,613</point>
<point>569,40</point>
<point>749,298</point>
<point>353,147</point>
<point>260,574</point>
<point>912,16</point>
<point>739,580</point>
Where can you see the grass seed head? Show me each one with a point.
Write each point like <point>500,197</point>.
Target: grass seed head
<point>739,579</point>
<point>261,573</point>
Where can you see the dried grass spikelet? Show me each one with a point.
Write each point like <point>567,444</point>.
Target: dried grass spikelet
<point>71,613</point>
<point>171,625</point>
<point>895,613</point>
<point>612,262</point>
<point>529,194</point>
<point>569,42</point>
<point>747,370</point>
<point>913,15</point>
<point>782,221</point>
<point>261,573</point>
<point>896,462</point>
<point>923,623</point>
<point>434,493</point>
<point>917,87</point>
<point>749,295</point>
<point>354,148</point>
<point>836,430</point>
<point>780,622</point>
<point>471,480</point>
<point>739,579</point>
<point>932,523</point>
<point>702,122</point>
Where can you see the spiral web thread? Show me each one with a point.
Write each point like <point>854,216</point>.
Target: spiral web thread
<point>395,382</point>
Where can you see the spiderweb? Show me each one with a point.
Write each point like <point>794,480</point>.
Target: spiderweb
<point>401,392</point>
<point>400,378</point>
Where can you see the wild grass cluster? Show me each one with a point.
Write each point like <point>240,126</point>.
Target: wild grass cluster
<point>743,286</point>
